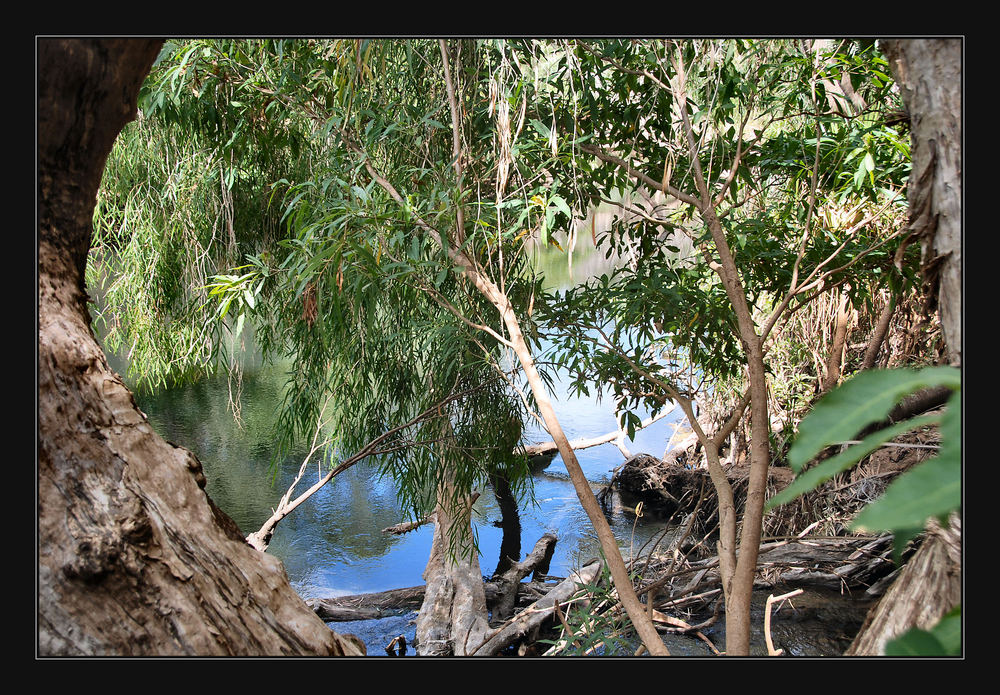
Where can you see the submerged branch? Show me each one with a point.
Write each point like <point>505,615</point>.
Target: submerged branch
<point>584,443</point>
<point>261,538</point>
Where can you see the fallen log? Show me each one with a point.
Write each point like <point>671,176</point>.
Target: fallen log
<point>854,563</point>
<point>383,604</point>
<point>535,615</point>
<point>367,606</point>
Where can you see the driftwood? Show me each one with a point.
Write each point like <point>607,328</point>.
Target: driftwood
<point>537,562</point>
<point>852,563</point>
<point>858,565</point>
<point>367,606</point>
<point>383,604</point>
<point>502,594</point>
<point>617,436</point>
<point>537,614</point>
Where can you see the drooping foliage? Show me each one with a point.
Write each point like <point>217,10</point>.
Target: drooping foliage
<point>331,273</point>
<point>316,192</point>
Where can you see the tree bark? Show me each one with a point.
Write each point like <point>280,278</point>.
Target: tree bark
<point>929,75</point>
<point>133,556</point>
<point>880,332</point>
<point>452,618</point>
<point>835,359</point>
<point>928,586</point>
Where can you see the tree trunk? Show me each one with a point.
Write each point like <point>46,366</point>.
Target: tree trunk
<point>452,618</point>
<point>133,556</point>
<point>835,359</point>
<point>510,523</point>
<point>880,332</point>
<point>929,586</point>
<point>929,75</point>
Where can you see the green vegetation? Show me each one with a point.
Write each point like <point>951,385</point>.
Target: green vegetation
<point>368,207</point>
<point>931,489</point>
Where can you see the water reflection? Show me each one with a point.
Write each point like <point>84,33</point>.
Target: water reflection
<point>333,544</point>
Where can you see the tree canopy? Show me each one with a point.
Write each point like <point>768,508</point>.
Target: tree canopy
<point>367,207</point>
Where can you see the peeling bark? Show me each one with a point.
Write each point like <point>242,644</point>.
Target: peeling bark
<point>133,557</point>
<point>928,586</point>
<point>929,75</point>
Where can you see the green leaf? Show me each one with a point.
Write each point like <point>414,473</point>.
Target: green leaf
<point>818,475</point>
<point>915,643</point>
<point>862,400</point>
<point>542,129</point>
<point>933,488</point>
<point>901,537</point>
<point>944,639</point>
<point>561,205</point>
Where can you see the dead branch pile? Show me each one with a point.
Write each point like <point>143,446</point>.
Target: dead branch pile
<point>669,487</point>
<point>859,565</point>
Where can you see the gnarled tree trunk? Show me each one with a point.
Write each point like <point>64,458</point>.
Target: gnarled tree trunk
<point>452,618</point>
<point>929,75</point>
<point>928,586</point>
<point>133,556</point>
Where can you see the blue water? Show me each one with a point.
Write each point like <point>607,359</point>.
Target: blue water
<point>333,544</point>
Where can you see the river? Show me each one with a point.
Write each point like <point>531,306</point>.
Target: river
<point>333,545</point>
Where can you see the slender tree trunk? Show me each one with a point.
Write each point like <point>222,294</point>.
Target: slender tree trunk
<point>133,556</point>
<point>879,334</point>
<point>740,590</point>
<point>616,565</point>
<point>835,359</point>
